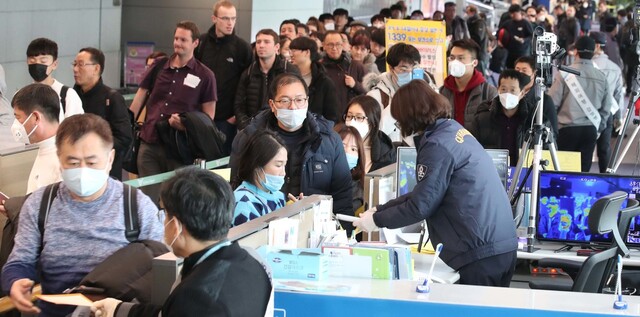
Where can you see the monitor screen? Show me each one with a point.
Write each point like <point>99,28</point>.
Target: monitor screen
<point>501,162</point>
<point>406,170</point>
<point>566,199</point>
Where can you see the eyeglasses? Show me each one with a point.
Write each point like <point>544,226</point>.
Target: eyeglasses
<point>227,19</point>
<point>332,45</point>
<point>452,58</point>
<point>403,68</point>
<point>74,64</point>
<point>348,117</point>
<point>299,101</point>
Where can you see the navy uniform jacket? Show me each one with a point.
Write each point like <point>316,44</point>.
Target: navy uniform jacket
<point>460,195</point>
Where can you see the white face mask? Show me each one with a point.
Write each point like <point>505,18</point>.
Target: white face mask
<point>291,119</point>
<point>84,181</point>
<point>362,127</point>
<point>170,245</point>
<point>509,101</point>
<point>19,133</point>
<point>329,26</point>
<point>457,68</point>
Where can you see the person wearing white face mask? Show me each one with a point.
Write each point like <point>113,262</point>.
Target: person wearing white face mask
<point>217,274</point>
<point>316,162</point>
<point>85,221</point>
<point>402,59</point>
<point>363,113</point>
<point>465,87</point>
<point>502,123</point>
<point>36,108</point>
<point>261,173</point>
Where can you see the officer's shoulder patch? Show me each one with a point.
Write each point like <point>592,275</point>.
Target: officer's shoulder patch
<point>421,171</point>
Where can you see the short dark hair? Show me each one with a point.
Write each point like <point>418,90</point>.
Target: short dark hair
<point>515,8</point>
<point>97,56</point>
<point>378,36</point>
<point>292,22</point>
<point>285,79</point>
<point>417,12</point>
<point>449,5</point>
<point>325,16</point>
<point>395,7</point>
<point>385,12</point>
<point>306,44</point>
<point>467,44</point>
<point>188,25</point>
<point>376,17</point>
<point>42,46</point>
<point>276,38</point>
<point>372,110</point>
<point>340,11</point>
<point>416,106</point>
<point>38,97</point>
<point>77,126</point>
<point>357,173</point>
<point>304,26</point>
<point>522,79</point>
<point>402,52</point>
<point>202,201</point>
<point>362,38</point>
<point>529,60</point>
<point>260,149</point>
<point>333,32</point>
<point>282,40</point>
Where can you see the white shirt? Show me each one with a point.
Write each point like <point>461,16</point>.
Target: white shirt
<point>46,167</point>
<point>73,101</point>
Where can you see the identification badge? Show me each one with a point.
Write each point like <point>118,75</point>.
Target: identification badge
<point>191,81</point>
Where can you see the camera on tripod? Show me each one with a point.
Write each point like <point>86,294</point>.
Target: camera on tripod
<point>546,50</point>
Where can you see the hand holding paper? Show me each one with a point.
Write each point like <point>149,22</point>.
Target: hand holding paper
<point>21,296</point>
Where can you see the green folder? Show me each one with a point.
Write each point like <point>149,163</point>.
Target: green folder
<point>380,264</point>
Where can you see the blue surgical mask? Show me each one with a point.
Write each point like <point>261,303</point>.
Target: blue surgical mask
<point>352,160</point>
<point>404,78</point>
<point>272,183</point>
<point>84,181</point>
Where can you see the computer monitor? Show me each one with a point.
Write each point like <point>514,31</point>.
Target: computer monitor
<point>565,199</point>
<point>406,170</point>
<point>501,162</point>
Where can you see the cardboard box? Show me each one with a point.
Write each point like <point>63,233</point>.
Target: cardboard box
<point>301,264</point>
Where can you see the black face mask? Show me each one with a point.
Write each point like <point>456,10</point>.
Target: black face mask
<point>38,72</point>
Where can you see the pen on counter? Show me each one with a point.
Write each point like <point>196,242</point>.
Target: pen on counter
<point>422,232</point>
<point>425,287</point>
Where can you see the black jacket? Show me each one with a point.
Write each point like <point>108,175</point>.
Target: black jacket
<point>201,139</point>
<point>322,95</point>
<point>253,89</point>
<point>323,167</point>
<point>109,104</point>
<point>383,152</point>
<point>336,70</point>
<point>486,123</point>
<point>227,57</point>
<point>460,195</point>
<point>230,282</point>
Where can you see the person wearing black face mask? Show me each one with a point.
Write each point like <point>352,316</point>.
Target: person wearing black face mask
<point>42,60</point>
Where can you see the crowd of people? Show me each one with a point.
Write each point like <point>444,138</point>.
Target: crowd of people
<point>306,109</point>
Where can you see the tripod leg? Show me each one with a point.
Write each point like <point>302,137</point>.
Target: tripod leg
<point>554,156</point>
<point>626,148</point>
<point>524,150</point>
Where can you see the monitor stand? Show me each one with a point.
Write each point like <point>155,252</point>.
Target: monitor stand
<point>567,247</point>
